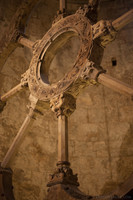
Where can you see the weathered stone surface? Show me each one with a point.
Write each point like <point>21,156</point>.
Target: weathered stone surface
<point>100,130</point>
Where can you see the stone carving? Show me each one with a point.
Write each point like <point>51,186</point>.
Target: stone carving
<point>61,95</point>
<point>68,27</point>
<point>64,104</point>
<point>106,31</point>
<point>63,175</point>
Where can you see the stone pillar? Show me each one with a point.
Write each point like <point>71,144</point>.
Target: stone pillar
<point>63,106</point>
<point>62,139</point>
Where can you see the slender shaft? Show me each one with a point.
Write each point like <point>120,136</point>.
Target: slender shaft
<point>62,138</point>
<point>115,84</point>
<point>18,138</point>
<point>11,92</point>
<point>26,42</point>
<point>122,21</point>
<point>63,5</point>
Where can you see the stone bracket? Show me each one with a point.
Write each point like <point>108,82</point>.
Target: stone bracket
<point>105,31</point>
<point>91,72</point>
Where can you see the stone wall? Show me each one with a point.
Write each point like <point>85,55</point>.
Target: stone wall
<point>101,128</point>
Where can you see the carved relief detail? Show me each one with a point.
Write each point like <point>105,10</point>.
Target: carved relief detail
<point>105,30</point>
<point>63,175</point>
<point>83,10</point>
<point>64,104</point>
<point>88,76</point>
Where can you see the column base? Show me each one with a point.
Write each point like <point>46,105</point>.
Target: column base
<point>63,175</point>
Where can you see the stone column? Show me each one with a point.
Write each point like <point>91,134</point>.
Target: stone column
<point>62,139</point>
<point>63,106</point>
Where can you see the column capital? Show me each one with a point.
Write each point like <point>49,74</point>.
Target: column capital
<point>64,104</point>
